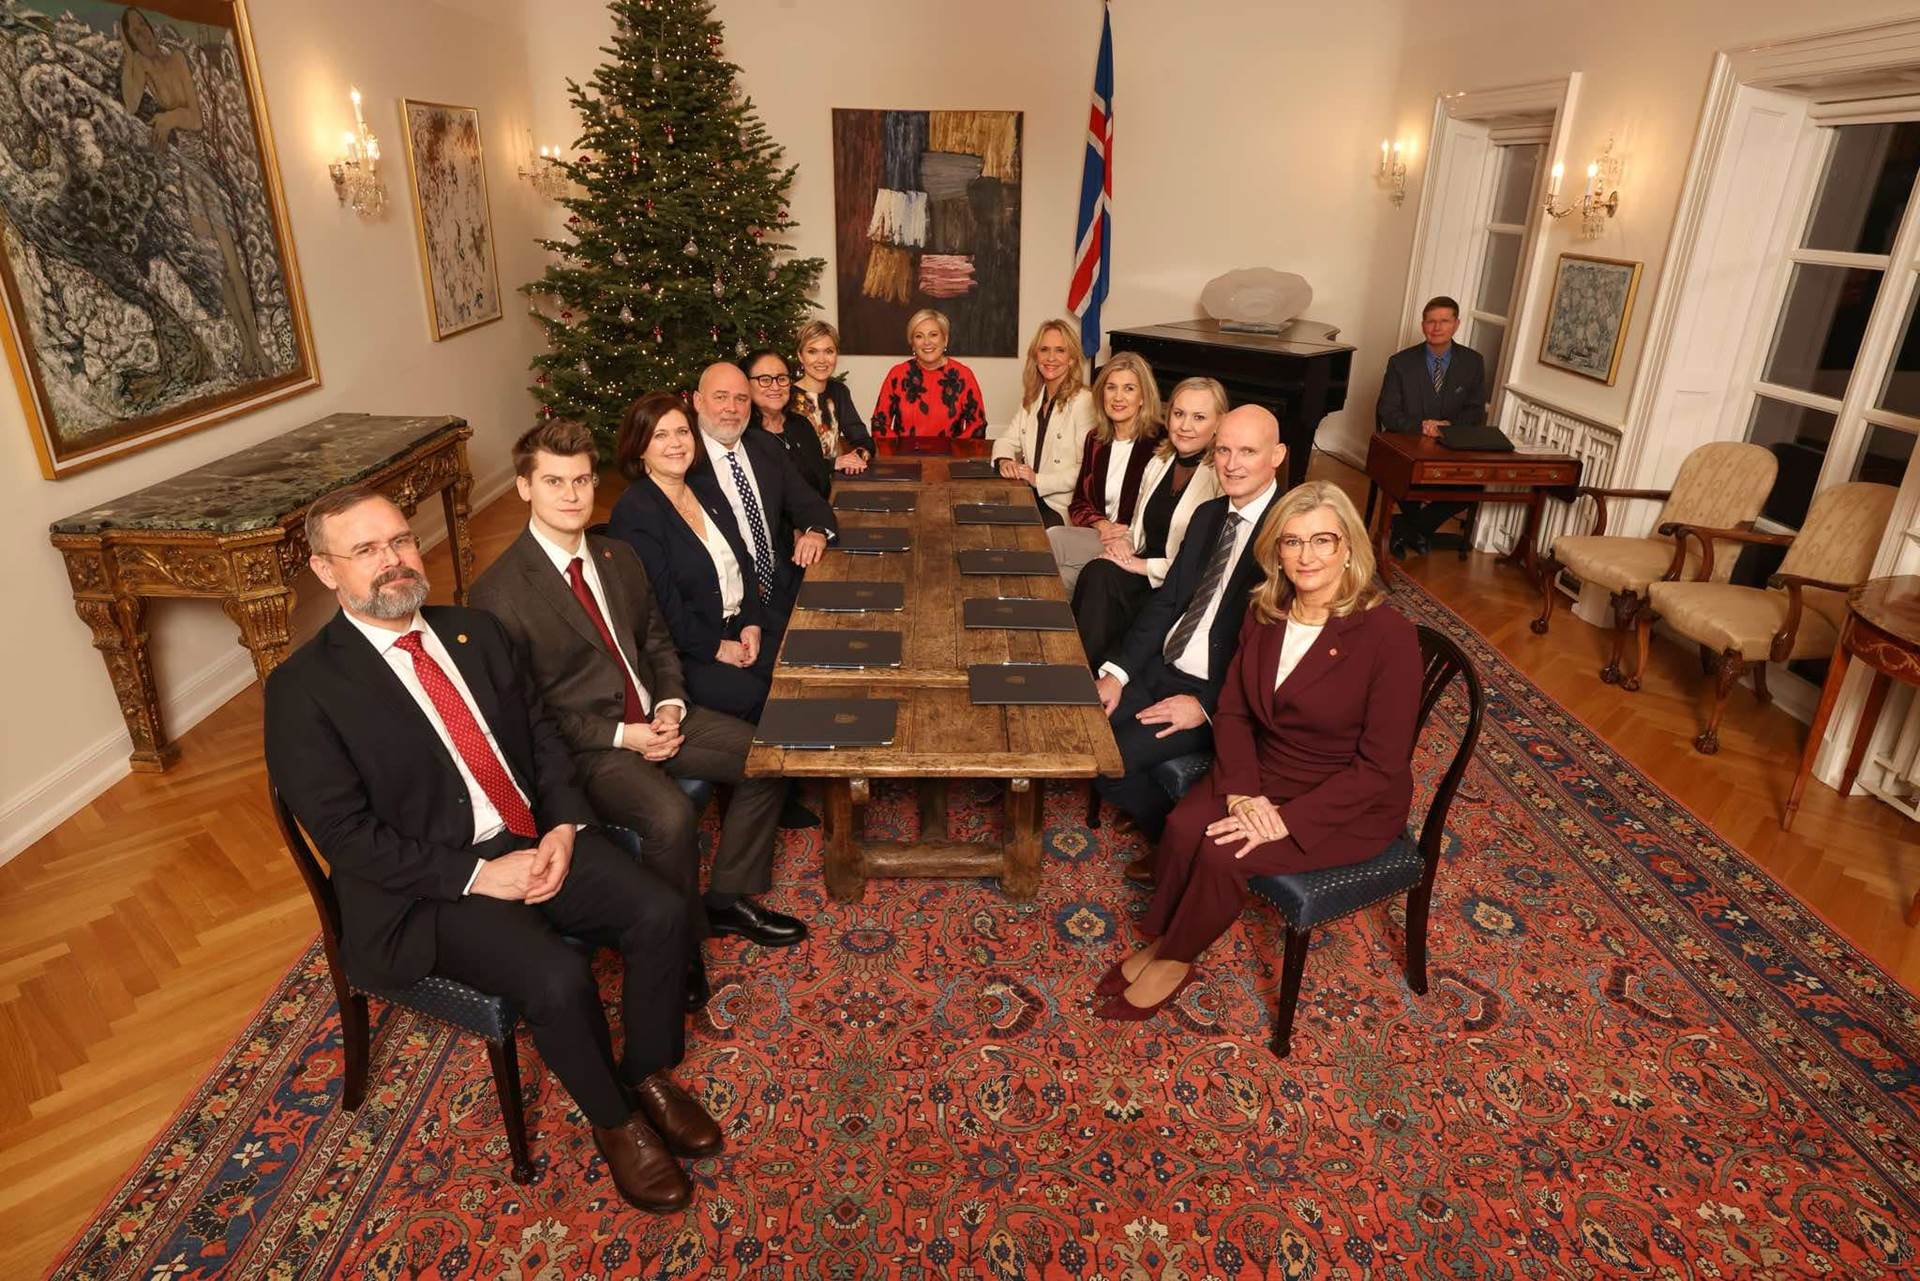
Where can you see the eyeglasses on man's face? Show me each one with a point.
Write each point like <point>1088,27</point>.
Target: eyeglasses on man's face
<point>770,381</point>
<point>400,545</point>
<point>1322,544</point>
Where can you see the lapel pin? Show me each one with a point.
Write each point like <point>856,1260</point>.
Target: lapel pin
<point>1333,653</point>
<point>461,638</point>
<point>606,553</point>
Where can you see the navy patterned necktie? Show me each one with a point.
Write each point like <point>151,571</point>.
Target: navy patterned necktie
<point>1210,581</point>
<point>1439,374</point>
<point>756,529</point>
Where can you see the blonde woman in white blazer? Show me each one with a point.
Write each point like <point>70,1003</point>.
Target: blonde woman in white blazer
<point>1043,443</point>
<point>1179,477</point>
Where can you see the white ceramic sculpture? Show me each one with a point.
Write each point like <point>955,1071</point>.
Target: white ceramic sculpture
<point>1257,298</point>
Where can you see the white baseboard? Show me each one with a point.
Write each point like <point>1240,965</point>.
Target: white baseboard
<point>58,795</point>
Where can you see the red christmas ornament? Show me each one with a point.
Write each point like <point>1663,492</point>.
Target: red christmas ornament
<point>566,315</point>
<point>584,158</point>
<point>656,333</point>
<point>715,332</point>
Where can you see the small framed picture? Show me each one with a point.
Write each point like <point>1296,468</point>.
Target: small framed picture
<point>1587,319</point>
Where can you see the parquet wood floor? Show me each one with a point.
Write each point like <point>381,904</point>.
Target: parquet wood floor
<point>137,937</point>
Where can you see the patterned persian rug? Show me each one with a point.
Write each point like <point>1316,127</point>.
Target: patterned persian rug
<point>1638,1056</point>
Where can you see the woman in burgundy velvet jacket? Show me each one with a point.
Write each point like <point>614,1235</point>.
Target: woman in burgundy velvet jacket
<point>1313,744</point>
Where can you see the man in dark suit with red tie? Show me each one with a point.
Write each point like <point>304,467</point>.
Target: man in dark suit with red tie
<point>441,795</point>
<point>595,645</point>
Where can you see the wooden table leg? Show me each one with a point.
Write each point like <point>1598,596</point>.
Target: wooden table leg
<point>454,497</point>
<point>1383,531</point>
<point>1021,880</point>
<point>1869,717</point>
<point>1829,695</point>
<point>933,810</point>
<point>1522,552</point>
<point>845,865</point>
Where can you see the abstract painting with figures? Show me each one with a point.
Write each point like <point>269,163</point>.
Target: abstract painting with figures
<point>450,210</point>
<point>1587,320</point>
<point>150,282</point>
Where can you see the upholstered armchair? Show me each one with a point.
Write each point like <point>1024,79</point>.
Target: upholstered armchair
<point>1720,485</point>
<point>1798,613</point>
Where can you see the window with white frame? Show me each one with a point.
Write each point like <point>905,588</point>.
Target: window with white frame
<point>1488,318</point>
<point>1836,395</point>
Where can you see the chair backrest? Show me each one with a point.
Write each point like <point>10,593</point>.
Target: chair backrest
<point>1443,660</point>
<point>1838,541</point>
<point>319,885</point>
<point>1721,485</point>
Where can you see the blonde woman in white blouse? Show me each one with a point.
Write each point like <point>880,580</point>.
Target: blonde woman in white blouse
<point>1043,443</point>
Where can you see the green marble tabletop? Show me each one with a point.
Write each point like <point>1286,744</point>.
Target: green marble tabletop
<point>256,487</point>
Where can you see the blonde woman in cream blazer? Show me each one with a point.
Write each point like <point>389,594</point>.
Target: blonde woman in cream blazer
<point>1179,477</point>
<point>1044,443</point>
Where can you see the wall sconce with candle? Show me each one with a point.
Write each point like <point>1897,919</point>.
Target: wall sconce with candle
<point>543,172</point>
<point>1599,199</point>
<point>1391,172</point>
<point>356,174</point>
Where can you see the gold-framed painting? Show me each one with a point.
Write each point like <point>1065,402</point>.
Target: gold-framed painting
<point>448,173</point>
<point>150,282</point>
<point>1587,319</point>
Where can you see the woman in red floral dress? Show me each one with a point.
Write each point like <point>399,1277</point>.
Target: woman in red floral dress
<point>929,395</point>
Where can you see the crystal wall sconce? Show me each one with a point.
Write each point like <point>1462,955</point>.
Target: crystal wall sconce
<point>1391,172</point>
<point>1599,199</point>
<point>543,172</point>
<point>356,174</point>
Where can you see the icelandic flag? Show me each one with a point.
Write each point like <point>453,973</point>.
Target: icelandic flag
<point>1094,239</point>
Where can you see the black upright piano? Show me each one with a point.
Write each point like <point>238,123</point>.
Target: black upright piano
<point>1301,381</point>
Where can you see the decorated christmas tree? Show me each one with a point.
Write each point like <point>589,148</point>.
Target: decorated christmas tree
<point>676,216</point>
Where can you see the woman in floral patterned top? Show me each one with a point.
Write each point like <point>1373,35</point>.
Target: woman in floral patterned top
<point>929,395</point>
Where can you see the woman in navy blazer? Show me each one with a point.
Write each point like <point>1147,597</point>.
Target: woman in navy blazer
<point>726,658</point>
<point>1313,744</point>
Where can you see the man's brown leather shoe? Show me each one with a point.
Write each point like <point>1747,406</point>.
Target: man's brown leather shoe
<point>1140,871</point>
<point>678,1116</point>
<point>645,1172</point>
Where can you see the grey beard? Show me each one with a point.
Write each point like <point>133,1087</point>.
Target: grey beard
<point>390,598</point>
<point>725,435</point>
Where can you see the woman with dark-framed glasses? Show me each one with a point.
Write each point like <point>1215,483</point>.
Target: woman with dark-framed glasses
<point>770,387</point>
<point>1313,745</point>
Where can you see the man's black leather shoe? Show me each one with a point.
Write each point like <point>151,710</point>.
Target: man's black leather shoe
<point>759,924</point>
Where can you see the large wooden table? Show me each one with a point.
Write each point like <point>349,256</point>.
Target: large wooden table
<point>233,531</point>
<point>1405,467</point>
<point>941,735</point>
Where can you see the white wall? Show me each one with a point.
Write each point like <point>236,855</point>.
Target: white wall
<point>64,738</point>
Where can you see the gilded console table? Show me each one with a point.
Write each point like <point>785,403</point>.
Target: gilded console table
<point>233,531</point>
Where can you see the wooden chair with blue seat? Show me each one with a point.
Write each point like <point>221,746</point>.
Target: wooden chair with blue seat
<point>1408,866</point>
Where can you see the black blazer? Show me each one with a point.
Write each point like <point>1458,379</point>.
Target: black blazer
<point>368,777</point>
<point>791,505</point>
<point>1148,635</point>
<point>686,586</point>
<point>802,445</point>
<point>1407,396</point>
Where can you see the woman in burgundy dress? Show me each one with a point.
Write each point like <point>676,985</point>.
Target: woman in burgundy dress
<point>1313,744</point>
<point>932,394</point>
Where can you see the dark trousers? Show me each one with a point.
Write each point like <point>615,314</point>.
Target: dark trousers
<point>1141,749</point>
<point>1199,887</point>
<point>515,950</point>
<point>630,791</point>
<point>1422,520</point>
<point>1106,600</point>
<point>739,692</point>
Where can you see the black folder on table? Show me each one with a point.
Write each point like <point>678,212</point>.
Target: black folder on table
<point>852,597</point>
<point>827,722</point>
<point>1046,684</point>
<point>908,472</point>
<point>1025,613</point>
<point>821,647</point>
<point>973,469</point>
<point>997,560</point>
<point>995,514</point>
<point>871,539</point>
<point>919,444</point>
<point>874,500</point>
<point>1483,437</point>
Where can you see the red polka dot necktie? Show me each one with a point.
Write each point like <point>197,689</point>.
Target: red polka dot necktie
<point>470,740</point>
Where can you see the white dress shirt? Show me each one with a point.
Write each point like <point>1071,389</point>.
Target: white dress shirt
<point>487,822</point>
<point>717,455</point>
<point>1193,660</point>
<point>561,557</point>
<point>1295,641</point>
<point>726,566</point>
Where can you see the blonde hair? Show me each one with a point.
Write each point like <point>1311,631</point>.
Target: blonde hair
<point>923,315</point>
<point>815,329</point>
<point>1146,424</point>
<point>1033,386</point>
<point>1220,406</point>
<point>1272,597</point>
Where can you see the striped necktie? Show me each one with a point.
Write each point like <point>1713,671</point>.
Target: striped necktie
<point>1216,573</point>
<point>1439,372</point>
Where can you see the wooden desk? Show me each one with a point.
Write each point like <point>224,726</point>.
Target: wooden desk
<point>233,531</point>
<point>1883,631</point>
<point>1414,468</point>
<point>941,735</point>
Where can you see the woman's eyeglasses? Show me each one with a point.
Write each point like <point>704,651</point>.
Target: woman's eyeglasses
<point>1322,544</point>
<point>770,381</point>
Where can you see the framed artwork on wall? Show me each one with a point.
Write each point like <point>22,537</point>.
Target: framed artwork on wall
<point>927,214</point>
<point>1587,319</point>
<point>449,180</point>
<point>145,256</point>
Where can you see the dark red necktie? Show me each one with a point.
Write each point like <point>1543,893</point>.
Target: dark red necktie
<point>471,741</point>
<point>633,712</point>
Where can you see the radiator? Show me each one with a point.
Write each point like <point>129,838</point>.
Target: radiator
<point>1537,426</point>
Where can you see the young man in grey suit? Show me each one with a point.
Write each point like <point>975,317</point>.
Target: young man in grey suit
<point>1428,386</point>
<point>596,648</point>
